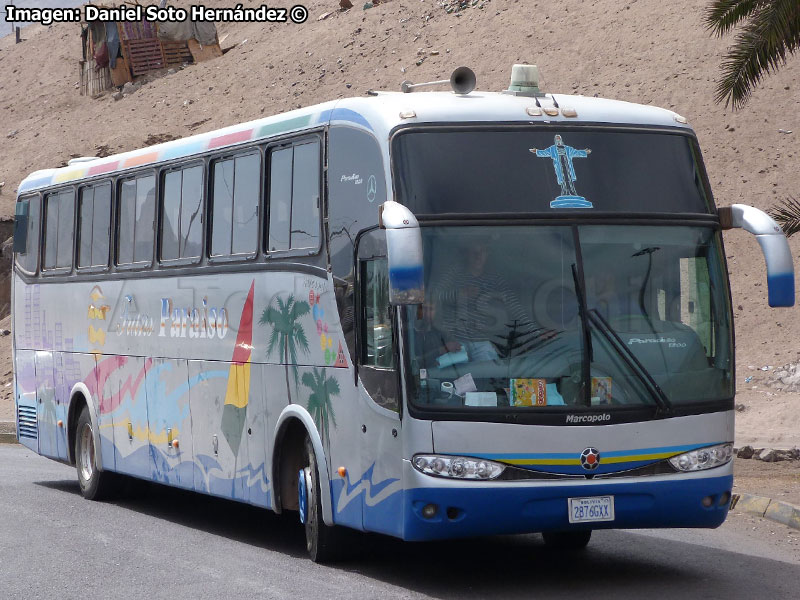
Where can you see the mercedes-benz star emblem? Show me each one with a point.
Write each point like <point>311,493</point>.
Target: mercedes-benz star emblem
<point>590,459</point>
<point>372,188</point>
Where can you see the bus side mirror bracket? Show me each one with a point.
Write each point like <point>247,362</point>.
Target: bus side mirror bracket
<point>778,256</point>
<point>403,252</point>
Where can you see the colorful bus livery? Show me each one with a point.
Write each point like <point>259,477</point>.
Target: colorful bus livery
<point>428,315</point>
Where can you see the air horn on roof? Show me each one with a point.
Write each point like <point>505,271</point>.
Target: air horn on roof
<point>462,81</point>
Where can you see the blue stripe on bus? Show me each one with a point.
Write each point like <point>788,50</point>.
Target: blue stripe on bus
<point>34,183</point>
<point>343,114</point>
<point>184,150</point>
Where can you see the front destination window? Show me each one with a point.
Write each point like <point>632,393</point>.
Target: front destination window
<point>532,318</point>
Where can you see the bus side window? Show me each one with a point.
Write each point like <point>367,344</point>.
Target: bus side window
<point>59,216</point>
<point>234,205</point>
<point>294,193</point>
<point>377,346</point>
<point>28,256</point>
<point>94,222</point>
<point>137,200</point>
<point>182,213</point>
<point>377,369</point>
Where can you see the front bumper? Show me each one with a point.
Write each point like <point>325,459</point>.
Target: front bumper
<point>466,509</point>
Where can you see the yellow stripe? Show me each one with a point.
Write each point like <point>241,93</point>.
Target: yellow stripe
<point>576,461</point>
<point>69,175</point>
<point>142,434</point>
<point>638,457</point>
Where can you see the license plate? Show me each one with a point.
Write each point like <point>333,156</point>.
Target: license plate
<point>595,508</point>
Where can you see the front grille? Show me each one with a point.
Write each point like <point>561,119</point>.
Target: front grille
<point>26,422</point>
<point>512,473</point>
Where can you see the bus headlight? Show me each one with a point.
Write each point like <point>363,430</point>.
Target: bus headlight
<point>457,467</point>
<point>703,458</point>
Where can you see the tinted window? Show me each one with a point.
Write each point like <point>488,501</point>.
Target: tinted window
<point>305,196</point>
<point>136,214</point>
<point>294,197</point>
<point>94,219</point>
<point>59,225</point>
<point>519,171</point>
<point>280,198</point>
<point>29,259</point>
<point>235,205</point>
<point>181,214</point>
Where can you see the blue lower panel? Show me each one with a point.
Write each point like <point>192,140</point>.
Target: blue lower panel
<point>516,509</point>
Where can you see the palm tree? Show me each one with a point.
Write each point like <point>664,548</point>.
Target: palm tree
<point>319,402</point>
<point>287,333</point>
<point>770,31</point>
<point>787,214</point>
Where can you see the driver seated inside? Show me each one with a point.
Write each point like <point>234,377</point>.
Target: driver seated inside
<point>475,313</point>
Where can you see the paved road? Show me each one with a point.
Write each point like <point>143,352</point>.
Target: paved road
<point>162,543</point>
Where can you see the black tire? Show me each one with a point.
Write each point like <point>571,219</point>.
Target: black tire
<point>567,540</point>
<point>95,484</point>
<point>322,542</point>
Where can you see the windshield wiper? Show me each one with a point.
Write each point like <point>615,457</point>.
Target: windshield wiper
<point>661,399</point>
<point>587,355</point>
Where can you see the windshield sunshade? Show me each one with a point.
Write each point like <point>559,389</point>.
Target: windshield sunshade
<point>535,170</point>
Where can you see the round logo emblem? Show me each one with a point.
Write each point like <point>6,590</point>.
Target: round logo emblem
<point>590,458</point>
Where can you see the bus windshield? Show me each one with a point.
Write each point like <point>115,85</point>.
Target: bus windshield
<point>536,317</point>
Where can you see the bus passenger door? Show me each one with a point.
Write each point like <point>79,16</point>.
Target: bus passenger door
<point>170,422</point>
<point>379,397</point>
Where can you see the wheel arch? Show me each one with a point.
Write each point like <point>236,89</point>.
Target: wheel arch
<point>81,396</point>
<point>291,418</point>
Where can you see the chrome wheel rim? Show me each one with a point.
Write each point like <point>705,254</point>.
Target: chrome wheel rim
<point>86,455</point>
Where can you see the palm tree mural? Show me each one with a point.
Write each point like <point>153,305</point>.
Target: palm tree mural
<point>770,31</point>
<point>287,333</point>
<point>319,402</point>
<point>787,214</point>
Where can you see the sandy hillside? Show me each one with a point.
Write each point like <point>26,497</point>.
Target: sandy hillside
<point>645,51</point>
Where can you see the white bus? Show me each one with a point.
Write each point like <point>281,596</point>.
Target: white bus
<point>428,315</point>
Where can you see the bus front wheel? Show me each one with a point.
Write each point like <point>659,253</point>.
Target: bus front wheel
<point>95,484</point>
<point>322,542</point>
<point>567,540</point>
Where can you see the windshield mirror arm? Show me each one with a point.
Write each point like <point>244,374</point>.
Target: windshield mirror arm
<point>661,399</point>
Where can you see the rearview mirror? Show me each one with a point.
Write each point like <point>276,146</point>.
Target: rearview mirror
<point>403,252</point>
<point>780,267</point>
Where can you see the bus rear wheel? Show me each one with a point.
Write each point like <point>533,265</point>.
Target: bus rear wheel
<point>322,541</point>
<point>567,540</point>
<point>95,484</point>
